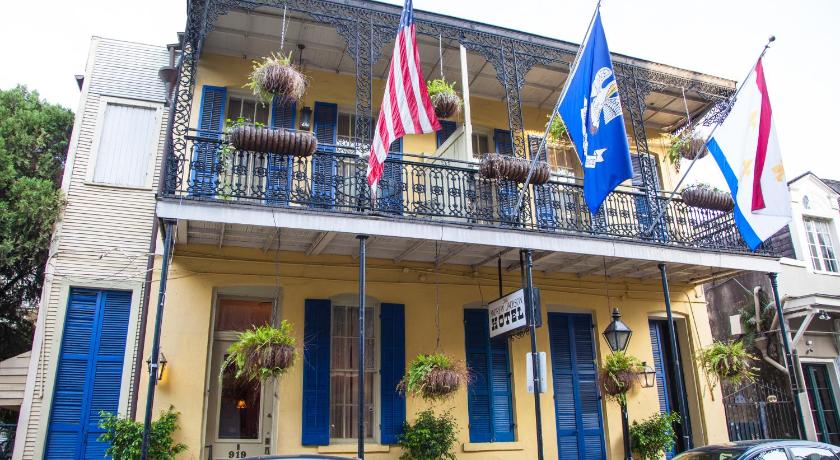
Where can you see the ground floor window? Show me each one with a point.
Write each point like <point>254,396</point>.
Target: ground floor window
<point>344,376</point>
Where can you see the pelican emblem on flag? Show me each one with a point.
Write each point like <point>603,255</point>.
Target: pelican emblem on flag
<point>604,100</point>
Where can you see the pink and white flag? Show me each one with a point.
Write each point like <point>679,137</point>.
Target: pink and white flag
<point>406,107</point>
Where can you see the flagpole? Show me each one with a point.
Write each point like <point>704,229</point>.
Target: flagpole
<point>731,102</point>
<point>572,70</point>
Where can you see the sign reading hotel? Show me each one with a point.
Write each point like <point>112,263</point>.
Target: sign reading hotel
<point>507,314</point>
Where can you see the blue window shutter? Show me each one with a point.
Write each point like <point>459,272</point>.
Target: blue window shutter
<point>278,184</point>
<point>446,129</point>
<point>390,196</point>
<point>316,373</point>
<point>392,359</point>
<point>324,165</point>
<point>489,393</point>
<point>508,190</point>
<point>577,402</point>
<point>543,198</point>
<point>89,373</point>
<point>211,122</point>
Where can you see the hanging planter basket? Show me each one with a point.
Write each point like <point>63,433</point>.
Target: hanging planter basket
<point>445,100</point>
<point>275,76</point>
<point>692,148</point>
<point>269,140</point>
<point>262,352</point>
<point>434,376</point>
<point>708,199</point>
<point>617,383</point>
<point>728,362</point>
<point>506,167</point>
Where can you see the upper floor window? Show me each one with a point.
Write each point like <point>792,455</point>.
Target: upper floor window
<point>820,244</point>
<point>564,160</point>
<point>480,144</point>
<point>249,109</point>
<point>128,138</point>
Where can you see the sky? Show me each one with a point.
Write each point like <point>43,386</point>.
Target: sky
<point>717,37</point>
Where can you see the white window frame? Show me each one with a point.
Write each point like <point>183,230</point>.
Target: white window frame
<point>352,300</point>
<point>806,248</point>
<point>154,147</point>
<point>486,132</point>
<point>245,95</point>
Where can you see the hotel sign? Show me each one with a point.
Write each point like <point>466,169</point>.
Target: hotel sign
<point>508,314</point>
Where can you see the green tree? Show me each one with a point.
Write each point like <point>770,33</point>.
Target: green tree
<point>34,136</point>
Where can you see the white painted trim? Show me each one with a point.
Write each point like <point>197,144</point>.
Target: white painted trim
<point>374,226</point>
<point>43,305</point>
<point>154,146</point>
<point>833,376</point>
<point>55,349</point>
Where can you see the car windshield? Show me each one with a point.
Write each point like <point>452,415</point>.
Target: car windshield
<point>717,454</point>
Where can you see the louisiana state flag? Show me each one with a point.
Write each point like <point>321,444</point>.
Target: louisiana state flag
<point>591,109</point>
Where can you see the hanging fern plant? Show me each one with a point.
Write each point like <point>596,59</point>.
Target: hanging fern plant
<point>434,376</point>
<point>728,362</point>
<point>262,352</point>
<point>275,75</point>
<point>619,375</point>
<point>445,100</point>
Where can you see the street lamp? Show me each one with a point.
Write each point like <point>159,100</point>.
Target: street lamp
<point>618,335</point>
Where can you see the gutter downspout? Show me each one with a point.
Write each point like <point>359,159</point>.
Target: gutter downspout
<point>762,344</point>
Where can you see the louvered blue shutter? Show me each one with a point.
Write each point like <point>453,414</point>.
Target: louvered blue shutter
<point>390,198</point>
<point>543,198</point>
<point>278,184</point>
<point>89,373</point>
<point>211,122</point>
<point>659,363</point>
<point>392,359</point>
<point>316,373</point>
<point>446,130</point>
<point>577,404</point>
<point>489,393</point>
<point>324,164</point>
<point>508,191</point>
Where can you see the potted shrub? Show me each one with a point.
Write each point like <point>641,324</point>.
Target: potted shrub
<point>434,376</point>
<point>728,361</point>
<point>654,436</point>
<point>619,374</point>
<point>125,436</point>
<point>262,352</point>
<point>445,100</point>
<point>706,196</point>
<point>276,76</point>
<point>508,167</point>
<point>431,437</point>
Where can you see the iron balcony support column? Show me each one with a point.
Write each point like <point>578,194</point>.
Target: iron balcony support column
<point>682,401</point>
<point>168,228</point>
<point>625,431</point>
<point>362,261</point>
<point>792,364</point>
<point>535,359</point>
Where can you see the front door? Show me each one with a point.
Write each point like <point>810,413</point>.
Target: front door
<point>577,400</point>
<point>666,380</point>
<point>823,401</point>
<point>239,412</point>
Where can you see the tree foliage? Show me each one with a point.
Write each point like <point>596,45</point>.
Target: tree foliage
<point>126,436</point>
<point>34,136</point>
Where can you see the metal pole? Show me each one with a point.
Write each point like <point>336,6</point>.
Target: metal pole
<point>682,402</point>
<point>535,359</point>
<point>499,266</point>
<point>793,368</point>
<point>625,430</point>
<point>168,228</point>
<point>362,260</point>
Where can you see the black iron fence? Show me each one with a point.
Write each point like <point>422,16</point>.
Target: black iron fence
<point>435,189</point>
<point>7,440</point>
<point>759,411</point>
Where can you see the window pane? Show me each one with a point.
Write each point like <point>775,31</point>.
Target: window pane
<point>344,379</point>
<point>125,145</point>
<point>262,114</point>
<point>234,109</point>
<point>249,109</point>
<point>775,454</point>
<point>811,453</point>
<point>241,314</point>
<point>239,408</point>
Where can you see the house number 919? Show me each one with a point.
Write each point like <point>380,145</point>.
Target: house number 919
<point>237,454</point>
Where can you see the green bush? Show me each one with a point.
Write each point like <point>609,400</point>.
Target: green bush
<point>126,436</point>
<point>654,436</point>
<point>431,437</point>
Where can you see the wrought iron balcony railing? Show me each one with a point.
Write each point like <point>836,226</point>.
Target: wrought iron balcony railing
<point>435,189</point>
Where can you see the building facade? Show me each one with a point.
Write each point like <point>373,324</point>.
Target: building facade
<point>809,283</point>
<point>253,238</point>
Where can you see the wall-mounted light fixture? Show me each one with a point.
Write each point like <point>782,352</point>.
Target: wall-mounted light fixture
<point>305,118</point>
<point>161,365</point>
<point>648,375</point>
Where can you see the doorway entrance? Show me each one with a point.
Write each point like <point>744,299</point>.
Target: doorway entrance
<point>666,379</point>
<point>823,401</point>
<point>238,411</point>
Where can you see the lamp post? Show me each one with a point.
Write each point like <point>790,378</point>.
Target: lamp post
<point>618,335</point>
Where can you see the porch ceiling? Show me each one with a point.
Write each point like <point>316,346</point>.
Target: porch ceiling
<point>256,33</point>
<point>399,249</point>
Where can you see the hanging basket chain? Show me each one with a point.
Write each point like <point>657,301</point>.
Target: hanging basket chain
<point>437,298</point>
<point>440,55</point>
<point>283,30</point>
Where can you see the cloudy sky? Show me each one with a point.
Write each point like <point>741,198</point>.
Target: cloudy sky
<point>719,37</point>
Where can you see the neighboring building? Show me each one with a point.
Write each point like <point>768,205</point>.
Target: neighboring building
<point>809,285</point>
<point>260,237</point>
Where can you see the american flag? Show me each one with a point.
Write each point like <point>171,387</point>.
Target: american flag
<point>406,107</point>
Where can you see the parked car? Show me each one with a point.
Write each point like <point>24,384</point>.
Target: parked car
<point>764,450</point>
